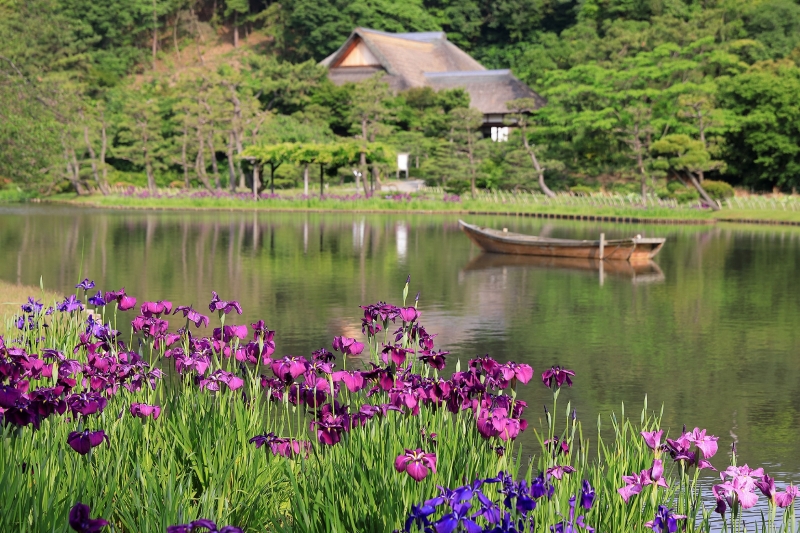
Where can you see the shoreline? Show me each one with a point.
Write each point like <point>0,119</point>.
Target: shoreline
<point>709,219</point>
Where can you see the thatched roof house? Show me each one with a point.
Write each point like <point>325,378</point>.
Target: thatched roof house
<point>426,59</point>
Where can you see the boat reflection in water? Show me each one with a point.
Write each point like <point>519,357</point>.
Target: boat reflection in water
<point>643,272</point>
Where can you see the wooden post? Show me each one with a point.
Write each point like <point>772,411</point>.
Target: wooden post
<point>602,245</point>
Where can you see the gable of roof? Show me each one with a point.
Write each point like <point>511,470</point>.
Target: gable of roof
<point>404,56</point>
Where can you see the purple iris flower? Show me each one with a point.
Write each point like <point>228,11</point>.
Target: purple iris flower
<point>280,446</point>
<point>124,302</point>
<point>222,306</point>
<point>83,441</point>
<point>70,304</point>
<point>97,300</point>
<point>434,359</point>
<point>767,487</point>
<point>329,432</point>
<point>85,284</point>
<point>419,516</point>
<point>460,515</point>
<point>587,495</point>
<point>80,521</point>
<point>556,376</point>
<point>86,403</point>
<point>143,410</point>
<point>416,463</point>
<point>521,372</point>
<point>32,306</point>
<point>202,526</point>
<point>572,525</point>
<point>665,521</point>
<point>192,315</point>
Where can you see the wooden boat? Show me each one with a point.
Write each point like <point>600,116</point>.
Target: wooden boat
<point>644,272</point>
<point>635,250</point>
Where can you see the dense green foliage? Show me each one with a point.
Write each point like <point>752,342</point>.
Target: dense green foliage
<point>153,93</point>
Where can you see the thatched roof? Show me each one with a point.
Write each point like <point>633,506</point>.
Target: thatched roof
<point>489,90</point>
<point>424,59</point>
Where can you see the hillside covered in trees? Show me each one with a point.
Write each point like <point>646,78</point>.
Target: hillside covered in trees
<point>642,94</point>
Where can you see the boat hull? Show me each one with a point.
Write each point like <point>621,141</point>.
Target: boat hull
<point>635,250</point>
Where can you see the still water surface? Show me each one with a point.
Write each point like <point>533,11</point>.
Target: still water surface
<point>710,331</point>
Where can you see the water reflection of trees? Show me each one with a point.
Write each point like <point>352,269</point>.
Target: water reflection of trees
<point>718,337</point>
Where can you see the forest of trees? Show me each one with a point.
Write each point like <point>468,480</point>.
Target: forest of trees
<point>642,95</point>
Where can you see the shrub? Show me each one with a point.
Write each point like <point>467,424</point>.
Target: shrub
<point>456,186</point>
<point>581,190</point>
<point>718,190</point>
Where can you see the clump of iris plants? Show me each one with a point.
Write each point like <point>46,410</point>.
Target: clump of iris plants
<point>219,426</point>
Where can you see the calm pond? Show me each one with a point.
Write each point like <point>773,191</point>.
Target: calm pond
<point>711,332</point>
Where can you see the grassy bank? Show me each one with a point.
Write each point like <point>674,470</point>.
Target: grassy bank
<point>755,209</point>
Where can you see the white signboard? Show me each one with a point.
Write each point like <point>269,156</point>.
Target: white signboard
<point>402,162</point>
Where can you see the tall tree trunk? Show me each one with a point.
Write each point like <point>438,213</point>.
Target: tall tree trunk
<point>73,173</point>
<point>175,35</point>
<point>197,34</point>
<point>214,167</point>
<point>103,148</point>
<point>711,203</point>
<point>92,155</point>
<point>148,167</point>
<point>237,128</point>
<point>235,29</point>
<point>184,162</point>
<point>637,146</point>
<point>199,162</point>
<point>321,182</point>
<point>539,170</point>
<point>257,180</point>
<point>155,33</point>
<point>231,170</point>
<point>305,180</point>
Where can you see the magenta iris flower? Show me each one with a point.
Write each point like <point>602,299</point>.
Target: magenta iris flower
<point>222,306</point>
<point>636,482</point>
<point>556,376</point>
<point>86,403</point>
<point>707,444</point>
<point>416,463</point>
<point>354,381</point>
<point>156,309</point>
<point>558,471</point>
<point>787,497</point>
<point>190,314</point>
<point>521,372</point>
<point>347,346</point>
<point>280,446</point>
<point>653,438</point>
<point>289,367</point>
<point>408,314</point>
<point>83,441</point>
<point>142,410</point>
<point>80,521</point>
<point>124,302</point>
<point>434,359</point>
